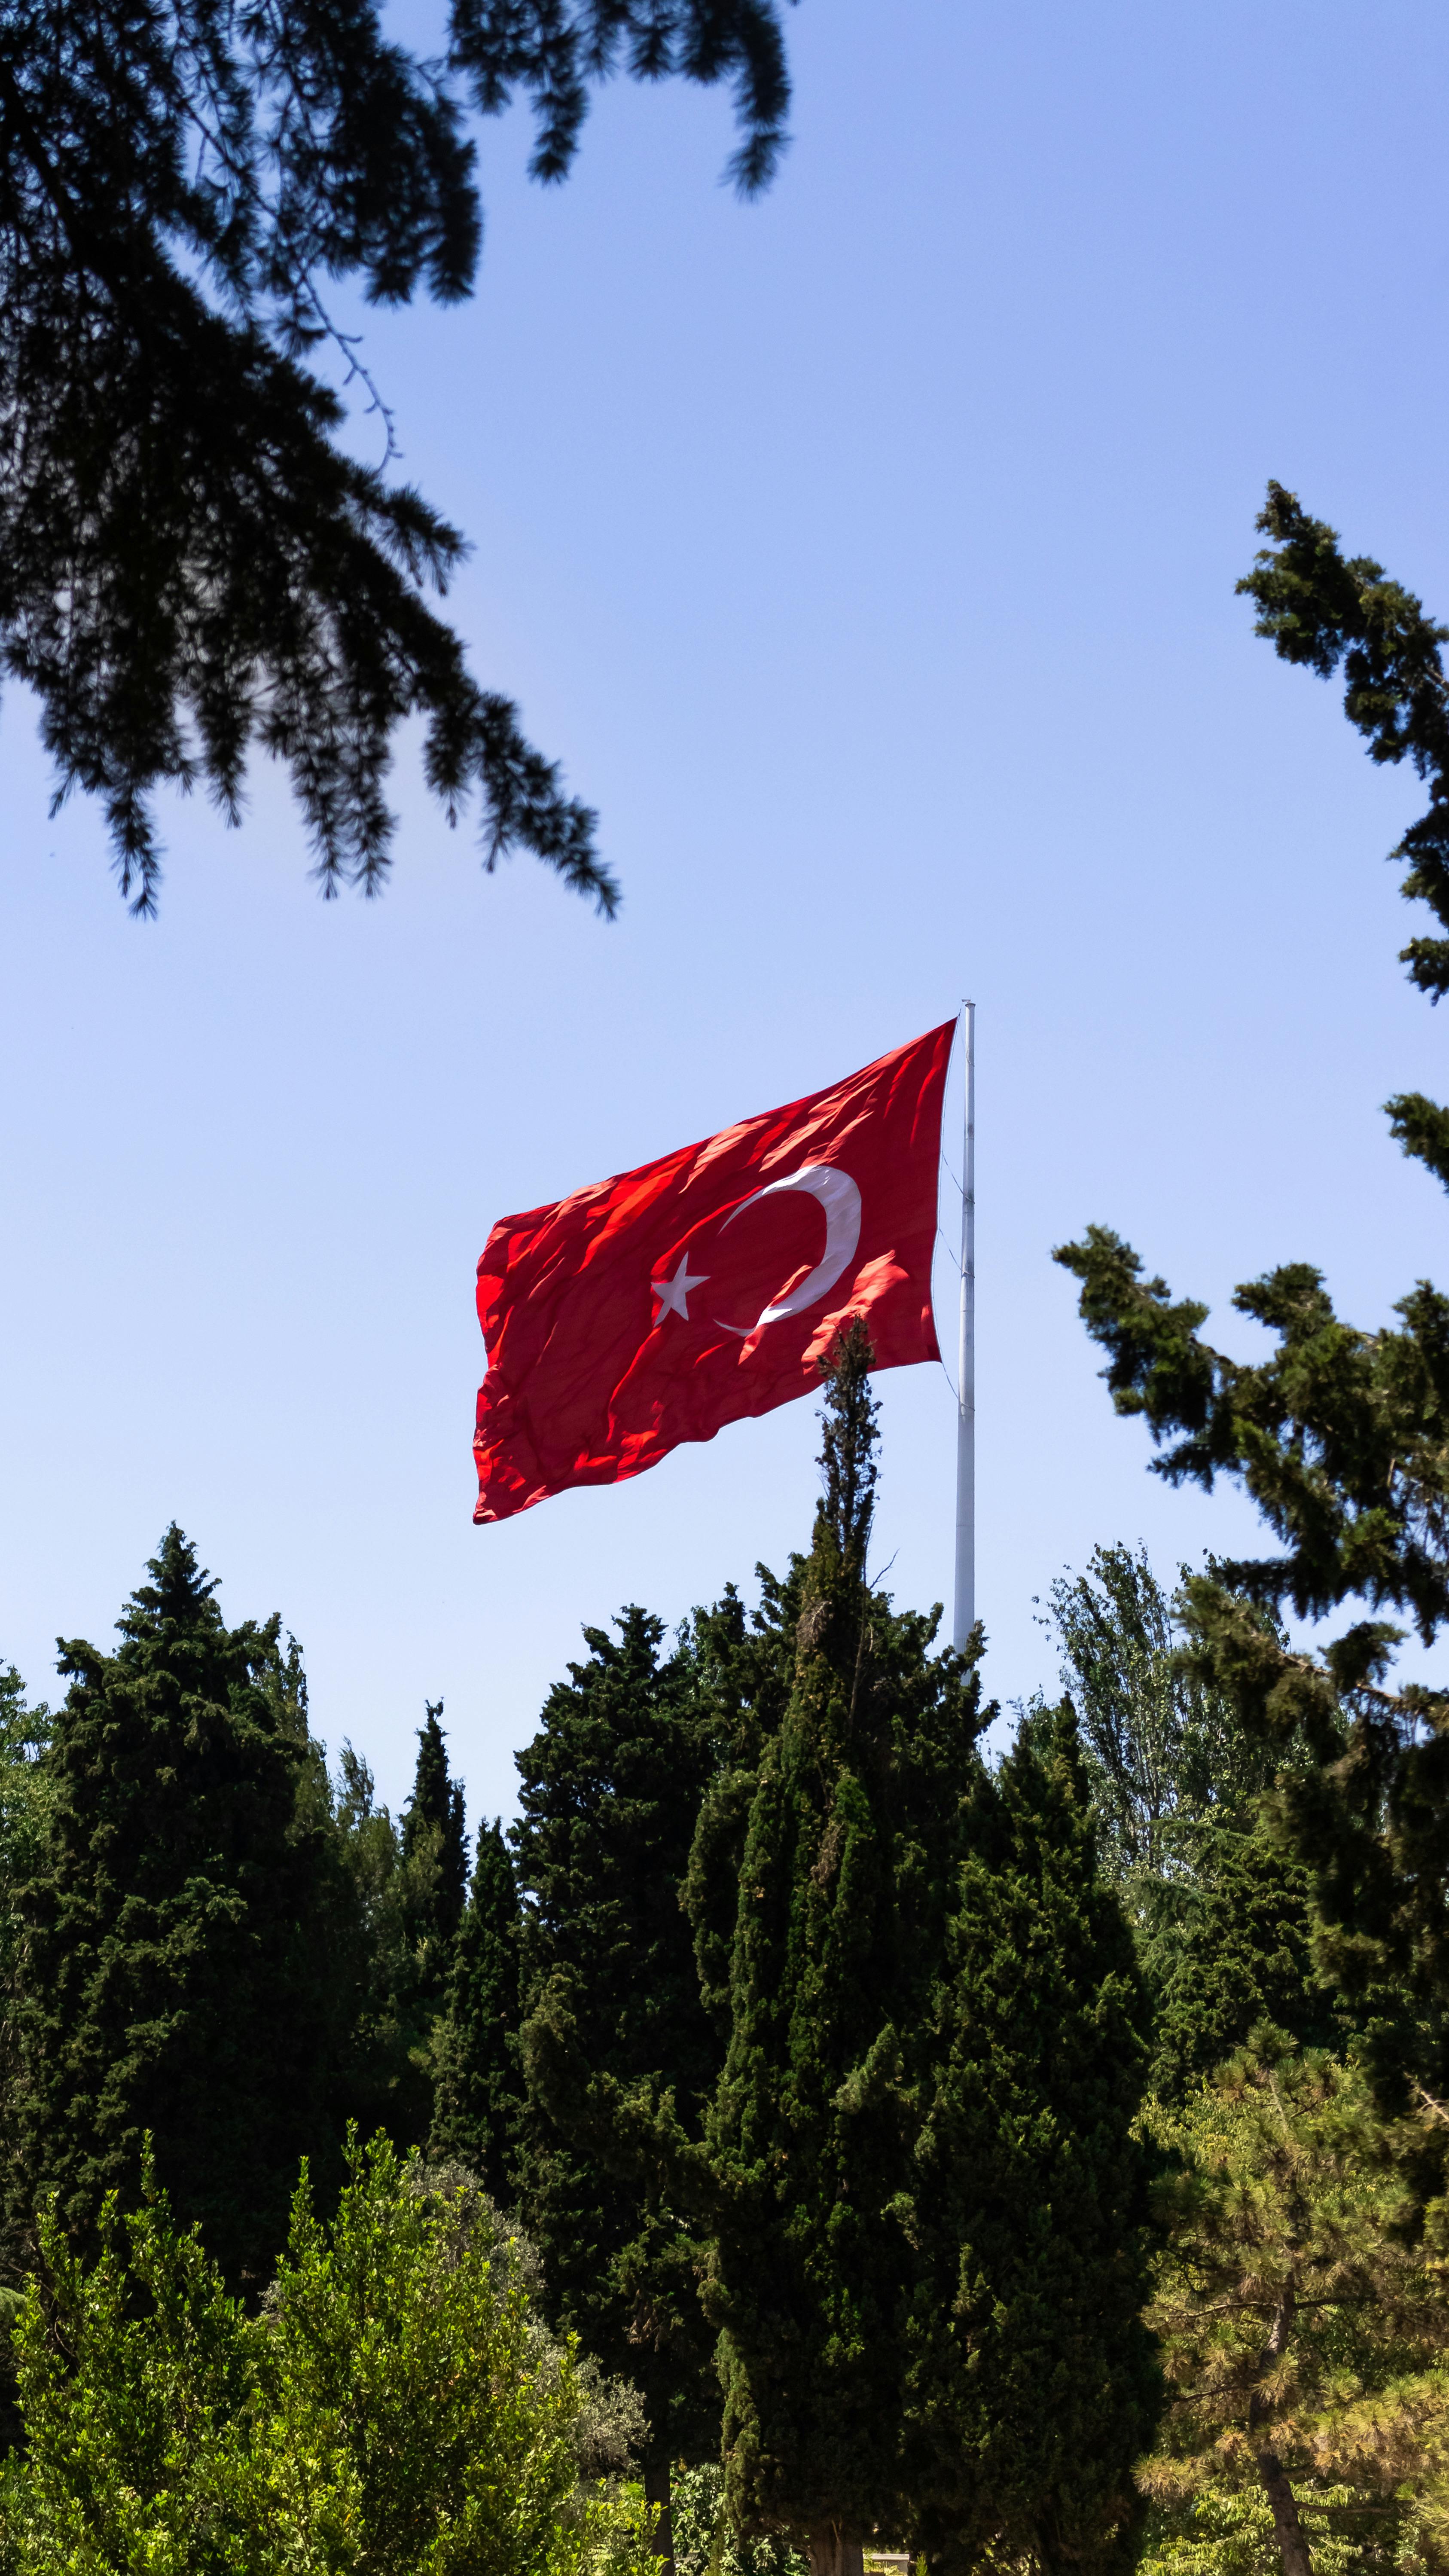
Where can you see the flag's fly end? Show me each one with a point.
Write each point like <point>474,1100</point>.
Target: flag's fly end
<point>710,1285</point>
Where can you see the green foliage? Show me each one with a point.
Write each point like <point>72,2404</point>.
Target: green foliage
<point>1340,1439</point>
<point>24,1811</point>
<point>190,562</point>
<point>1222,1912</point>
<point>705,2542</point>
<point>1220,2534</point>
<point>618,2054</point>
<point>1341,1436</point>
<point>1336,1436</point>
<point>395,1889</point>
<point>830,1973</point>
<point>135,2380</point>
<point>1030,2384</point>
<point>435,1858</point>
<point>396,2406</point>
<point>1303,2313</point>
<point>746,1669</point>
<point>24,1793</point>
<point>926,2190</point>
<point>383,2018</point>
<point>174,1930</point>
<point>1318,608</point>
<point>478,2093</point>
<point>1234,1948</point>
<point>1159,1745</point>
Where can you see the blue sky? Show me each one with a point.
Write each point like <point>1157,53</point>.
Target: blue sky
<point>867,554</point>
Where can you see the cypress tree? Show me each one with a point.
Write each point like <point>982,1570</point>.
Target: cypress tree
<point>619,2055</point>
<point>174,1974</point>
<point>435,1859</point>
<point>478,2072</point>
<point>844,1880</point>
<point>1029,2386</point>
<point>900,2091</point>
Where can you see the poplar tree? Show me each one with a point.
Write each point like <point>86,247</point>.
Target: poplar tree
<point>1180,1790</point>
<point>619,2055</point>
<point>902,2358</point>
<point>478,2085</point>
<point>174,1930</point>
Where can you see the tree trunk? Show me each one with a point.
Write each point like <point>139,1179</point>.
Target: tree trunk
<point>832,2554</point>
<point>1292,2547</point>
<point>657,2492</point>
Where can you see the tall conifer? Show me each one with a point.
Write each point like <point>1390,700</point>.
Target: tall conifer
<point>1236,1950</point>
<point>435,1854</point>
<point>479,2073</point>
<point>830,1972</point>
<point>173,1975</point>
<point>1029,2383</point>
<point>619,2055</point>
<point>924,2253</point>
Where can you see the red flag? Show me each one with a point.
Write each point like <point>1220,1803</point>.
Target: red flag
<point>660,1305</point>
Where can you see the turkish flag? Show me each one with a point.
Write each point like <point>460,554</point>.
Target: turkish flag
<point>660,1305</point>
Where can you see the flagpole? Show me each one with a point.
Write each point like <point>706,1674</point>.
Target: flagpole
<point>966,1370</point>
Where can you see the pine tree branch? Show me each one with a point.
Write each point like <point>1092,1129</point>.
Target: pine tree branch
<point>1320,608</point>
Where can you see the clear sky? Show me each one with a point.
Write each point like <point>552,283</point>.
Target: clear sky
<point>867,554</point>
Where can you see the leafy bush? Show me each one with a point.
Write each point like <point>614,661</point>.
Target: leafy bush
<point>397,2407</point>
<point>705,2545</point>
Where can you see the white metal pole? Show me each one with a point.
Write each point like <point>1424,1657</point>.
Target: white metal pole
<point>966,1376</point>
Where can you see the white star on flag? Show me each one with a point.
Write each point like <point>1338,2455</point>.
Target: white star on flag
<point>673,1294</point>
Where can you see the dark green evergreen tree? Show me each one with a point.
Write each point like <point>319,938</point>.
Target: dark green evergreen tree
<point>24,1800</point>
<point>191,560</point>
<point>478,2077</point>
<point>383,2019</point>
<point>1233,1952</point>
<point>835,1940</point>
<point>1029,2387</point>
<point>619,2055</point>
<point>1340,1436</point>
<point>175,1929</point>
<point>864,1980</point>
<point>435,1858</point>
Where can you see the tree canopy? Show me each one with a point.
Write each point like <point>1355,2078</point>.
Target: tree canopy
<point>397,2404</point>
<point>174,1929</point>
<point>927,2198</point>
<point>618,2051</point>
<point>1302,2317</point>
<point>1341,1435</point>
<point>191,560</point>
<point>477,2095</point>
<point>1182,1797</point>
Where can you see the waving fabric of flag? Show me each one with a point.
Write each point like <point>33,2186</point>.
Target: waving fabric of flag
<point>660,1305</point>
